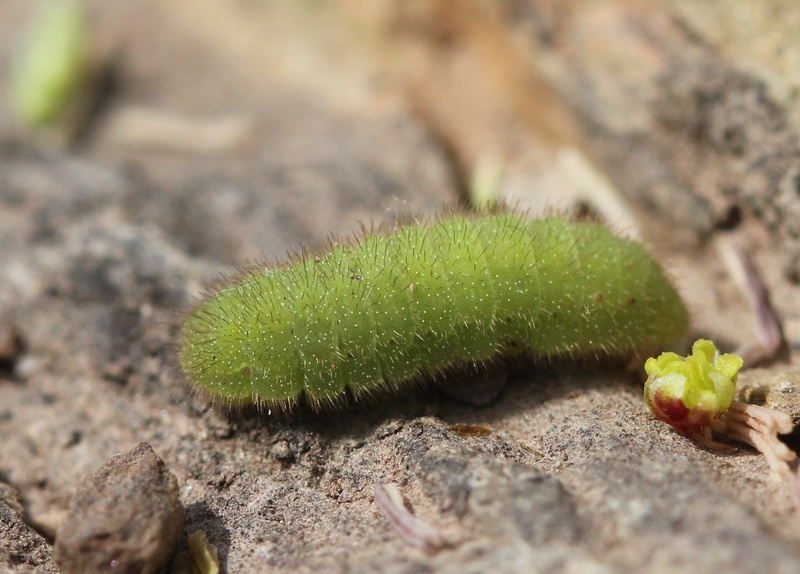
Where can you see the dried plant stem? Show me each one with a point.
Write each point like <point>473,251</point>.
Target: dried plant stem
<point>414,531</point>
<point>759,427</point>
<point>747,277</point>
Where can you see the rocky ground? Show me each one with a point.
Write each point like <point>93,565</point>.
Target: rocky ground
<point>286,122</point>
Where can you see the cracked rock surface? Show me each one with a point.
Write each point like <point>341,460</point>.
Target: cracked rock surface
<point>104,244</point>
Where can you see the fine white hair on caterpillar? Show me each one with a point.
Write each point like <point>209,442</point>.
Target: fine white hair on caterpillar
<point>385,309</point>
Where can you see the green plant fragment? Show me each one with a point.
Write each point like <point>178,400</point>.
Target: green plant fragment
<point>690,393</point>
<point>53,64</point>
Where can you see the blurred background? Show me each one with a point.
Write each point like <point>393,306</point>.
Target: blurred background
<point>247,128</point>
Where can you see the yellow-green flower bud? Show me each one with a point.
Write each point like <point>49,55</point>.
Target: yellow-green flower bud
<point>689,393</point>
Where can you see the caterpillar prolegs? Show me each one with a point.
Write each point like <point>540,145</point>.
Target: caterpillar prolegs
<point>389,307</point>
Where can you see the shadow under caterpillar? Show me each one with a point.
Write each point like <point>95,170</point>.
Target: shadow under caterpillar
<point>390,307</point>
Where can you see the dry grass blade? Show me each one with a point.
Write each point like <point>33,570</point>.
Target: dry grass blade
<point>414,531</point>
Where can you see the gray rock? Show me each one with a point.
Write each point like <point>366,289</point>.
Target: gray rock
<point>22,549</point>
<point>126,516</point>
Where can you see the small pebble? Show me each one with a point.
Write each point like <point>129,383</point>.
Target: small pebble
<point>283,452</point>
<point>125,518</point>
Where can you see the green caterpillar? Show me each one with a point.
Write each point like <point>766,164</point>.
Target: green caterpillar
<point>380,312</point>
